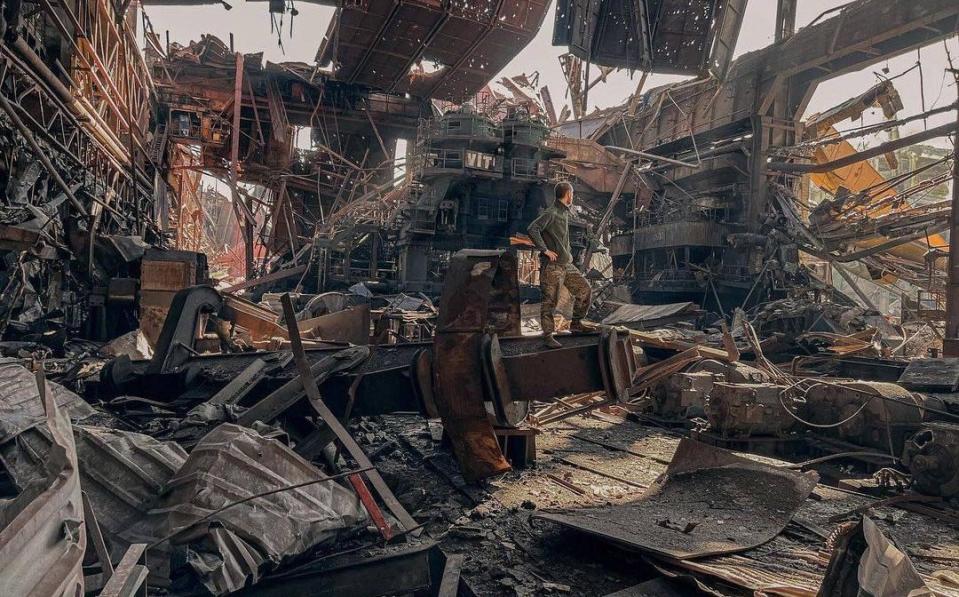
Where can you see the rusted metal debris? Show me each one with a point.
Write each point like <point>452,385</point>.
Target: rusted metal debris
<point>174,507</point>
<point>479,312</point>
<point>930,456</point>
<point>238,364</point>
<point>863,558</point>
<point>708,502</point>
<point>451,37</point>
<point>42,537</point>
<point>271,398</point>
<point>194,511</point>
<point>225,408</point>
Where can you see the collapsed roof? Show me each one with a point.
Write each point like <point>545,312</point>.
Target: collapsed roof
<point>384,43</point>
<point>684,37</point>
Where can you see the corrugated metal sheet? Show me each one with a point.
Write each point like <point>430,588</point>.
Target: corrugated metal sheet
<point>20,406</point>
<point>42,537</point>
<point>376,43</point>
<point>124,474</point>
<point>639,313</point>
<point>146,491</point>
<point>233,547</point>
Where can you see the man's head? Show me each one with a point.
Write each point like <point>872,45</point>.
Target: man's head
<point>564,193</point>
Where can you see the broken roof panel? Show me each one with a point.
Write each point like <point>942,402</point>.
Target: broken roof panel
<point>42,536</point>
<point>121,472</point>
<point>686,37</point>
<point>20,409</point>
<point>639,314</point>
<point>709,501</point>
<point>242,502</point>
<point>381,42</point>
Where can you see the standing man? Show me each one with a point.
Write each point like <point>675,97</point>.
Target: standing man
<point>550,234</point>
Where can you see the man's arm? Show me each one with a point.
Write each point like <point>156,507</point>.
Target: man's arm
<point>535,229</point>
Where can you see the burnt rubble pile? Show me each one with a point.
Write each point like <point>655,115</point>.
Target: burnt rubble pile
<point>306,439</point>
<point>64,276</point>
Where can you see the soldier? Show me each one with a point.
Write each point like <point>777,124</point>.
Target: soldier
<point>550,234</point>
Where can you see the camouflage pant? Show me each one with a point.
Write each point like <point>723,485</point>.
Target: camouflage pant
<point>552,278</point>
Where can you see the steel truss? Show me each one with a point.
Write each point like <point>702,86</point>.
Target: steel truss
<point>82,159</point>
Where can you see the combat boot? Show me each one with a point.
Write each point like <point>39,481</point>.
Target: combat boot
<point>550,341</point>
<point>576,327</point>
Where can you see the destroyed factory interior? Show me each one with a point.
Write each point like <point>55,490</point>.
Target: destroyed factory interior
<point>479,297</point>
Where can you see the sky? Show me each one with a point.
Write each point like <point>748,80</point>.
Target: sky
<point>251,25</point>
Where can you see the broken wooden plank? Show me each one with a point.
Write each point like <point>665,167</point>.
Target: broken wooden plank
<point>566,414</point>
<point>647,376</point>
<point>291,392</point>
<point>130,575</point>
<point>450,583</point>
<point>240,385</point>
<point>654,341</point>
<point>405,520</point>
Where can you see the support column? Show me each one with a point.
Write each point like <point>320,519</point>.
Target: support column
<point>755,202</point>
<point>234,167</point>
<point>950,344</point>
<point>785,19</point>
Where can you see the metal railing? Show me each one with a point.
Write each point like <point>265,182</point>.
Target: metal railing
<point>444,159</point>
<point>458,159</point>
<point>525,132</point>
<point>528,168</point>
<point>465,126</point>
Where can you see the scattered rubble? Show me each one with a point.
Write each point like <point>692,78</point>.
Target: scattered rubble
<point>222,467</point>
<point>707,502</point>
<point>330,380</point>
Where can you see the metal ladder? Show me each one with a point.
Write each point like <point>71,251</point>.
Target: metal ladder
<point>159,143</point>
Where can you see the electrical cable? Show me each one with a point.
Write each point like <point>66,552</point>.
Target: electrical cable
<point>258,495</point>
<point>915,404</point>
<point>804,464</point>
<point>820,425</point>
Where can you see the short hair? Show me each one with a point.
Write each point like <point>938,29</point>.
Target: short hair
<point>562,189</point>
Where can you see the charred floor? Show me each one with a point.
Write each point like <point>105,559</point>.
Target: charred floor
<point>274,328</point>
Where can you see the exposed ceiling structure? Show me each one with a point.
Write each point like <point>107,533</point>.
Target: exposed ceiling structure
<point>684,37</point>
<point>428,48</point>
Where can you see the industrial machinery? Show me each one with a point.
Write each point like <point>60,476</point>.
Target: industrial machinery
<point>932,456</point>
<point>477,182</point>
<point>867,413</point>
<point>747,409</point>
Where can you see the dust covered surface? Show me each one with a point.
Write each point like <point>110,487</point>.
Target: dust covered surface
<point>606,461</point>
